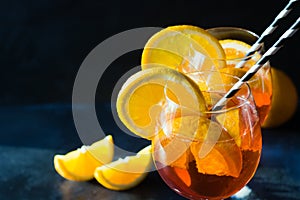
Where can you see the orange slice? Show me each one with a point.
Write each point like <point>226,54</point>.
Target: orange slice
<point>185,48</point>
<point>79,165</point>
<point>141,99</point>
<point>209,81</point>
<point>261,87</point>
<point>223,159</point>
<point>231,122</point>
<point>236,50</point>
<point>237,72</point>
<point>174,142</point>
<point>126,173</point>
<point>173,151</point>
<point>213,149</point>
<point>247,133</point>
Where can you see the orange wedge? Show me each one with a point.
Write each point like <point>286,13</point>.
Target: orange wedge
<point>231,122</point>
<point>126,173</point>
<point>261,87</point>
<point>174,142</point>
<point>237,72</point>
<point>246,134</point>
<point>214,150</point>
<point>141,99</point>
<point>259,82</point>
<point>79,165</point>
<point>185,48</point>
<point>175,151</point>
<point>223,159</point>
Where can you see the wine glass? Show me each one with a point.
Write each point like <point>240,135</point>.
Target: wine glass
<point>209,154</point>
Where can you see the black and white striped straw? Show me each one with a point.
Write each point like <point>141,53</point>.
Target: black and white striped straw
<point>265,57</point>
<point>267,32</point>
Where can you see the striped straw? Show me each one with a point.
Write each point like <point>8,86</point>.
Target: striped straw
<point>265,57</point>
<point>267,32</point>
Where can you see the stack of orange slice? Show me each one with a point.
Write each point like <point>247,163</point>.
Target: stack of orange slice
<point>167,58</point>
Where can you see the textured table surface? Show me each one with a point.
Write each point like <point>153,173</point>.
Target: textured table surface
<point>32,135</point>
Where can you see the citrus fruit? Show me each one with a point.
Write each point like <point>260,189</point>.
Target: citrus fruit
<point>185,48</point>
<point>224,157</point>
<point>218,81</point>
<point>215,151</point>
<point>79,164</point>
<point>284,100</point>
<point>141,99</point>
<point>174,141</point>
<point>235,51</point>
<point>125,173</point>
<point>246,133</point>
<point>175,151</point>
<point>231,122</point>
<point>237,72</point>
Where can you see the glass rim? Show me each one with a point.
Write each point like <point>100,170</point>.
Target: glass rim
<point>232,30</point>
<point>204,114</point>
<point>223,110</point>
<point>172,107</point>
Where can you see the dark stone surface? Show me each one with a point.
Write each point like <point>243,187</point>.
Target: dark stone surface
<point>32,135</point>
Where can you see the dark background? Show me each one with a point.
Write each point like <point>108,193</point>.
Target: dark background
<point>43,43</point>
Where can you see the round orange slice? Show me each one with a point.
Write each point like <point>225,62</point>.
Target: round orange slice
<point>236,50</point>
<point>185,48</point>
<point>143,96</point>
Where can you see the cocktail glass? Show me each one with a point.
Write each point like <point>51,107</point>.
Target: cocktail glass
<point>261,83</point>
<point>210,154</point>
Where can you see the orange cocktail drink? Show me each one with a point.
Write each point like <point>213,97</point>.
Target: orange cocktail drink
<point>199,151</point>
<point>210,154</point>
<point>235,42</point>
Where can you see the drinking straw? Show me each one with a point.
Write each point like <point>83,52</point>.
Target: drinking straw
<point>267,32</point>
<point>265,57</point>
